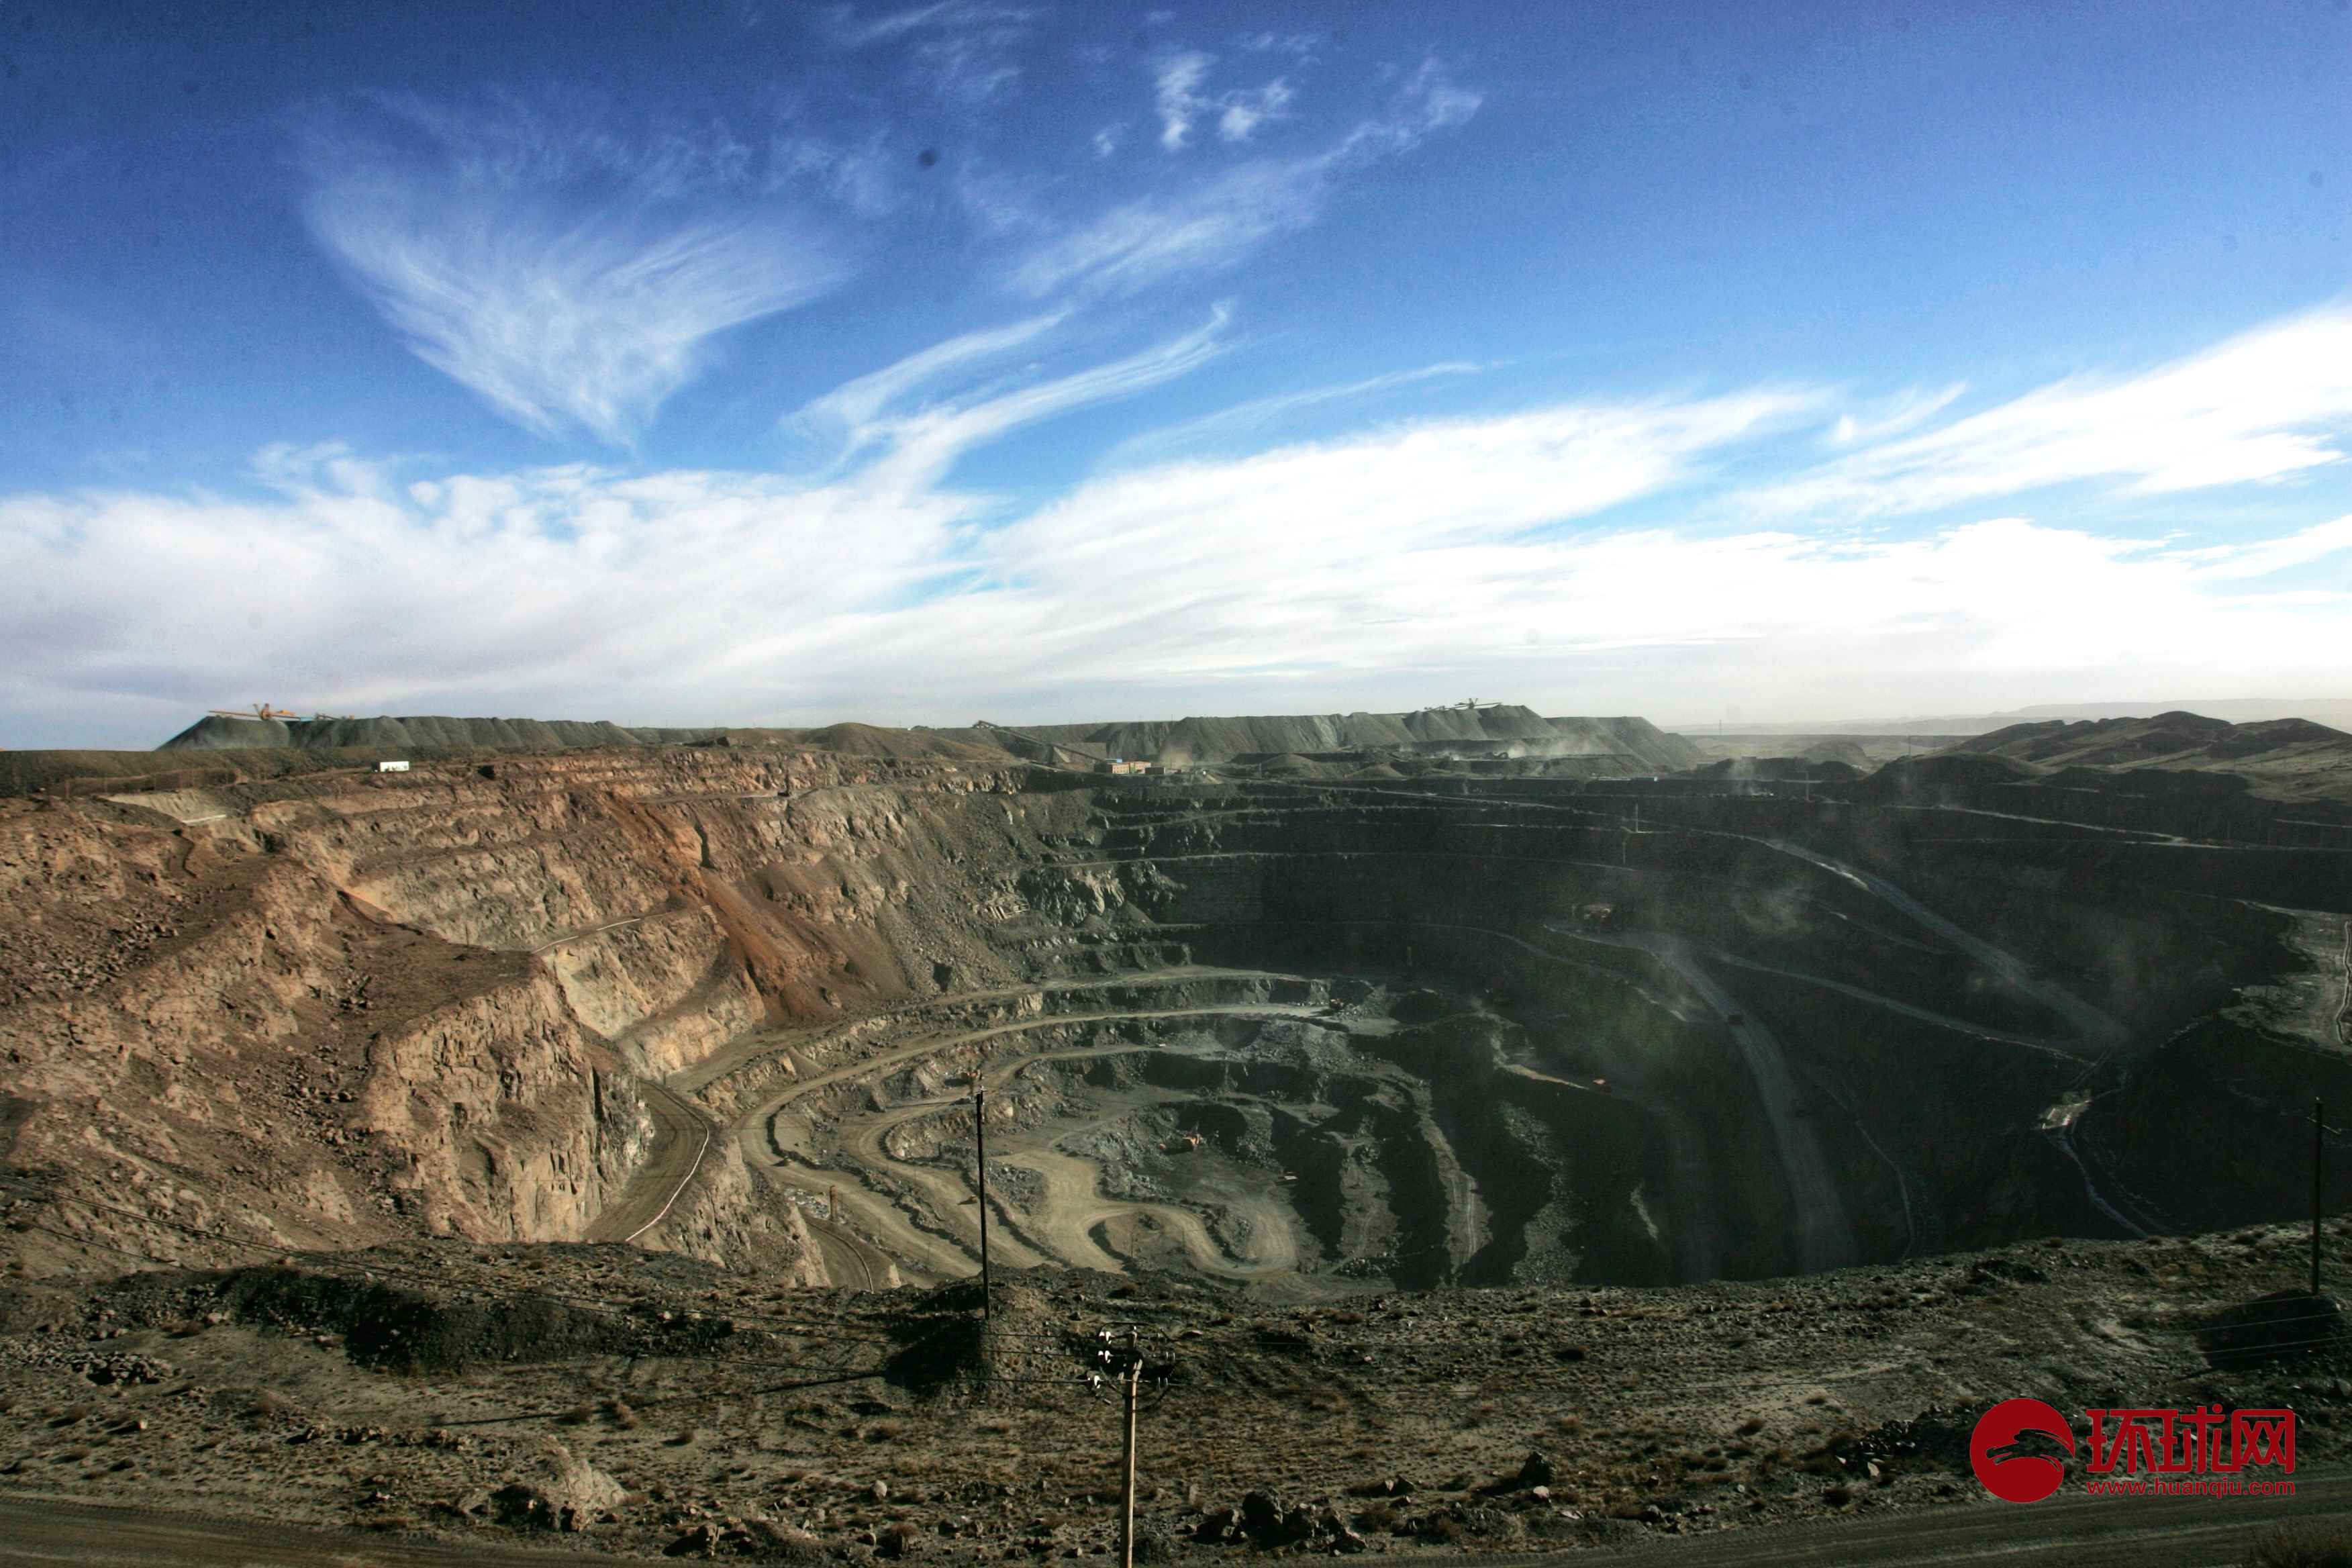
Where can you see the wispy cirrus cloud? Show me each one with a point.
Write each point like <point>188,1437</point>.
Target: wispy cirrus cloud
<point>919,441</point>
<point>1301,45</point>
<point>1891,417</point>
<point>1242,113</point>
<point>565,272</point>
<point>925,444</point>
<point>2303,547</point>
<point>961,50</point>
<point>1177,81</point>
<point>850,413</point>
<point>2267,404</point>
<point>1261,417</point>
<point>851,27</point>
<point>1216,223</point>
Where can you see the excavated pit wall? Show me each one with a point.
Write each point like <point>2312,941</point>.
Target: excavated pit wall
<point>577,924</point>
<point>248,1076</point>
<point>542,934</point>
<point>1936,1128</point>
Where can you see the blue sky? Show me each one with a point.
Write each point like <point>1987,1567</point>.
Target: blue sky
<point>766,363</point>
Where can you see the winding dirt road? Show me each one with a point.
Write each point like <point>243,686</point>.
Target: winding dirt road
<point>681,1141</point>
<point>952,1250</point>
<point>1824,1230</point>
<point>2096,1029</point>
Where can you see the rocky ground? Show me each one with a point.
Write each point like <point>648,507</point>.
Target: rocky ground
<point>642,1404</point>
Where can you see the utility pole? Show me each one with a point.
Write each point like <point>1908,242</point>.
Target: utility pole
<point>1125,1364</point>
<point>980,1136</point>
<point>1130,1389</point>
<point>2318,1131</point>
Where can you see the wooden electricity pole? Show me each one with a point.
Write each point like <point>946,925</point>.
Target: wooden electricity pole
<point>1131,1387</point>
<point>980,1136</point>
<point>2319,1132</point>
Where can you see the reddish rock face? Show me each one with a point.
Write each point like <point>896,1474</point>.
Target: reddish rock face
<point>338,1012</point>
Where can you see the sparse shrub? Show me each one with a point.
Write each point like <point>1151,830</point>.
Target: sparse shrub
<point>578,1416</point>
<point>1380,1515</point>
<point>1568,1423</point>
<point>996,1423</point>
<point>1752,1426</point>
<point>269,1402</point>
<point>886,1431</point>
<point>1838,1497</point>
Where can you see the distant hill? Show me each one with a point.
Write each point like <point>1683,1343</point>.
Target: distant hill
<point>429,734</point>
<point>2336,710</point>
<point>421,733</point>
<point>1499,732</point>
<point>2162,740</point>
<point>2283,757</point>
<point>864,740</point>
<point>1625,746</point>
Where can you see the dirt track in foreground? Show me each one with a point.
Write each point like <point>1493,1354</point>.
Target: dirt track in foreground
<point>2062,1532</point>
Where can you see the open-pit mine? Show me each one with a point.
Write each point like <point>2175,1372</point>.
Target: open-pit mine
<point>1399,1035</point>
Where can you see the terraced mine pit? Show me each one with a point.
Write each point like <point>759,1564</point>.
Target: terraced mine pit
<point>1324,1037</point>
<point>1439,1115</point>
